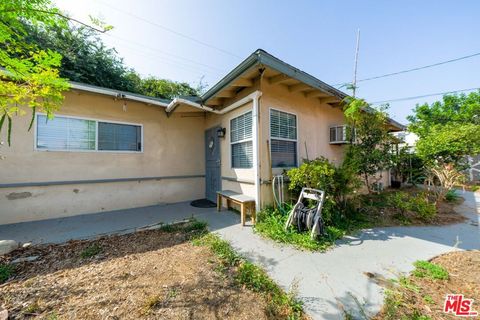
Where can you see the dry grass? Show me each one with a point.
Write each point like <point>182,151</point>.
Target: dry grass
<point>147,275</point>
<point>423,297</point>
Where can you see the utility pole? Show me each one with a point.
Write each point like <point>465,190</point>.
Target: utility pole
<point>354,83</point>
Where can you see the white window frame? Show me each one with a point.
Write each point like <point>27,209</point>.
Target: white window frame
<point>284,139</point>
<point>35,148</point>
<point>240,141</point>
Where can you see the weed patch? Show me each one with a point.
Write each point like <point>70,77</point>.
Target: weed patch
<point>193,225</point>
<point>430,270</point>
<point>6,271</point>
<point>280,304</point>
<point>91,251</point>
<point>271,224</point>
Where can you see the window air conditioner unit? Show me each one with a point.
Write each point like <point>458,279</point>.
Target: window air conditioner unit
<point>338,134</point>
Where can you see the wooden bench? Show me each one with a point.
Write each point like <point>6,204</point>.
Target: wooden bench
<point>245,202</point>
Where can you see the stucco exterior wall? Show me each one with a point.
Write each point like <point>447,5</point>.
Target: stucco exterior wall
<point>313,123</point>
<point>172,146</point>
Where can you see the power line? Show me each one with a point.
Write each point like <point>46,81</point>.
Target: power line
<point>216,70</point>
<point>171,30</point>
<point>415,69</point>
<point>424,96</point>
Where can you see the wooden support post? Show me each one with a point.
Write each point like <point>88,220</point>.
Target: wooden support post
<point>219,202</point>
<point>242,213</point>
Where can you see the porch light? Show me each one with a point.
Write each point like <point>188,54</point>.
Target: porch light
<point>221,132</point>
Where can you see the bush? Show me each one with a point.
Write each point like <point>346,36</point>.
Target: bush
<point>418,204</point>
<point>451,196</point>
<point>337,182</point>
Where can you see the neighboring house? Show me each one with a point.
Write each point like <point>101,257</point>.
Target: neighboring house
<point>108,150</point>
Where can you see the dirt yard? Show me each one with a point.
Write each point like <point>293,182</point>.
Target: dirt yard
<point>148,275</point>
<point>423,297</point>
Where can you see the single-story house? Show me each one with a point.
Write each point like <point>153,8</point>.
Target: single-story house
<point>108,150</point>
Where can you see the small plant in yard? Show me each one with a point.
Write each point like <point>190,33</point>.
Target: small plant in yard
<point>451,196</point>
<point>430,270</point>
<point>281,305</point>
<point>91,251</point>
<point>32,308</point>
<point>6,271</point>
<point>151,303</point>
<point>193,225</point>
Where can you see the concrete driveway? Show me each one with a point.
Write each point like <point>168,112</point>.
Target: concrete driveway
<point>327,282</point>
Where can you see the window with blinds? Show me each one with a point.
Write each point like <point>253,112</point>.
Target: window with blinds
<point>63,133</point>
<point>75,134</point>
<point>241,141</point>
<point>283,135</point>
<point>123,137</point>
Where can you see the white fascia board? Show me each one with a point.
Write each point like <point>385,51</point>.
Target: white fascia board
<point>117,94</point>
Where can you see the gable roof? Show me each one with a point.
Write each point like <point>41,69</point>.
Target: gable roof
<point>257,60</point>
<point>262,58</point>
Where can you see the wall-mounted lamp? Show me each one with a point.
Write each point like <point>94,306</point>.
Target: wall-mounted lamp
<point>221,132</point>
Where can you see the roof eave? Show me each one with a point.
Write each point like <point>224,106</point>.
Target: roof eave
<point>117,94</point>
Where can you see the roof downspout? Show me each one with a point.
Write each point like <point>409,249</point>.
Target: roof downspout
<point>256,158</point>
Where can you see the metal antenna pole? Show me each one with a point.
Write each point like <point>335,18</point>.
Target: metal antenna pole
<point>354,83</point>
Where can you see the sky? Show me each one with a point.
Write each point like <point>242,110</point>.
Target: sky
<point>191,40</point>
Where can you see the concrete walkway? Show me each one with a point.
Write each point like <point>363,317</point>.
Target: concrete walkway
<point>327,282</point>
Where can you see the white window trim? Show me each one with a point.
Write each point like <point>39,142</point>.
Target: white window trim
<point>96,135</point>
<point>240,141</point>
<point>284,139</point>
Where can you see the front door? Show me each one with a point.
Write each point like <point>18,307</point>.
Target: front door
<point>212,164</point>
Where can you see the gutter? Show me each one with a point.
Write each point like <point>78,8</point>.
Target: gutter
<point>116,94</point>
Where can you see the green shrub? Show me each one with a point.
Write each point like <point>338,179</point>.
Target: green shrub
<point>91,250</point>
<point>451,196</point>
<point>418,204</point>
<point>422,207</point>
<point>337,182</point>
<point>6,271</point>
<point>430,270</point>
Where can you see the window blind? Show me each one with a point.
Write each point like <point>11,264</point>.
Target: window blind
<point>283,133</point>
<point>122,137</point>
<point>241,141</point>
<point>74,134</point>
<point>61,133</point>
<point>283,125</point>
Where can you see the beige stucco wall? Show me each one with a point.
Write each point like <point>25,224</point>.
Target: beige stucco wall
<point>313,123</point>
<point>171,147</point>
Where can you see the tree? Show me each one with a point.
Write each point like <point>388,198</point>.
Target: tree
<point>448,130</point>
<point>370,150</point>
<point>28,75</point>
<point>85,58</point>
